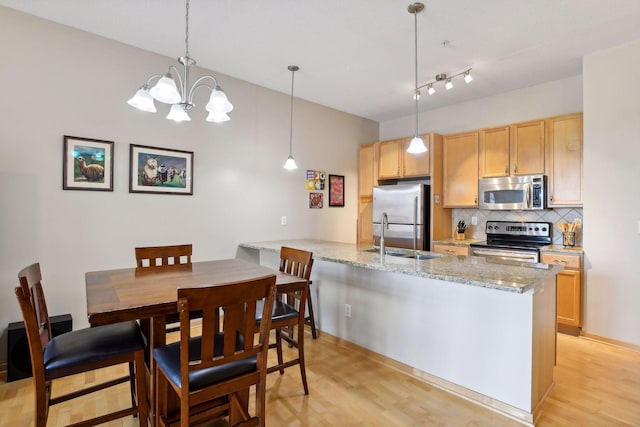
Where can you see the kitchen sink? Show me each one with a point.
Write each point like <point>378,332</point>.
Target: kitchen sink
<point>403,254</point>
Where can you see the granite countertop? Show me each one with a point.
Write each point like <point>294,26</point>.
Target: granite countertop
<point>457,242</point>
<point>475,271</point>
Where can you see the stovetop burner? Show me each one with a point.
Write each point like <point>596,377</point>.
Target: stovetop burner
<point>517,235</point>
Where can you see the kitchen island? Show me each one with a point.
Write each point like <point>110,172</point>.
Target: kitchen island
<point>480,329</point>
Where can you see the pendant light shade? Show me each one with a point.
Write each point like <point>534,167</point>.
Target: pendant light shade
<point>177,114</point>
<point>416,146</point>
<point>290,164</point>
<point>143,100</point>
<point>166,90</point>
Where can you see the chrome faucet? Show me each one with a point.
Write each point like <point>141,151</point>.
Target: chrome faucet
<point>384,220</point>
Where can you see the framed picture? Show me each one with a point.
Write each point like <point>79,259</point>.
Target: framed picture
<point>336,191</point>
<point>87,164</point>
<point>315,180</point>
<point>315,200</point>
<point>160,170</point>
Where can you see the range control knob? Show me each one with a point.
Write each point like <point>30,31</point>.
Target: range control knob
<point>536,229</point>
<point>495,227</point>
<point>544,228</point>
<point>490,227</point>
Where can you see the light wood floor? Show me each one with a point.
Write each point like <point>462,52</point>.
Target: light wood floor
<point>596,385</point>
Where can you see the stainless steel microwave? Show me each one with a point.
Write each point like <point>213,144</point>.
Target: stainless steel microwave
<point>524,192</point>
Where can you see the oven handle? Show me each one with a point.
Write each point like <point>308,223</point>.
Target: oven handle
<point>529,195</point>
<point>505,255</point>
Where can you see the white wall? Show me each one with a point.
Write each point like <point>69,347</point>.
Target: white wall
<point>544,100</point>
<point>612,192</point>
<point>58,81</point>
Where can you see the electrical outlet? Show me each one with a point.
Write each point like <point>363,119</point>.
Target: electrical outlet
<point>283,220</point>
<point>474,220</point>
<point>347,310</point>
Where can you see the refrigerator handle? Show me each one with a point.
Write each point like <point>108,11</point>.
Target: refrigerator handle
<point>415,223</point>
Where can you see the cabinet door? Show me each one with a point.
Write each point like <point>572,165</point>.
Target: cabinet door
<point>569,298</point>
<point>461,170</point>
<point>565,171</point>
<point>528,148</point>
<point>366,177</point>
<point>389,159</point>
<point>494,152</point>
<point>416,165</point>
<point>365,222</point>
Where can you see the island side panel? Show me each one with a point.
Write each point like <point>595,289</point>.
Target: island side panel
<point>478,338</point>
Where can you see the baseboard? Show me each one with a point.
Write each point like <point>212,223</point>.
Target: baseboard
<point>610,341</point>
<point>502,408</point>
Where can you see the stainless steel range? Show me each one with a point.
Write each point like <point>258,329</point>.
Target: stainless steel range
<point>514,241</point>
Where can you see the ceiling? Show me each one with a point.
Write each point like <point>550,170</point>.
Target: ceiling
<point>357,56</point>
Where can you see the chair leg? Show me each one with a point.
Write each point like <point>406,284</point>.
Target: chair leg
<point>303,372</point>
<point>310,319</point>
<point>160,395</point>
<point>141,388</point>
<point>42,394</point>
<point>279,349</point>
<point>132,384</point>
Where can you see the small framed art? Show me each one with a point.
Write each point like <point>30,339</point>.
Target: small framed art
<point>336,191</point>
<point>160,170</point>
<point>87,164</point>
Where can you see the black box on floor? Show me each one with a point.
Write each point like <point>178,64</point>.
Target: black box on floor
<point>18,359</point>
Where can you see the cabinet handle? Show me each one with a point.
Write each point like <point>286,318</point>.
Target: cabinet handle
<point>560,261</point>
<point>551,198</point>
<point>515,169</point>
<point>506,170</point>
<point>449,251</point>
<point>475,200</point>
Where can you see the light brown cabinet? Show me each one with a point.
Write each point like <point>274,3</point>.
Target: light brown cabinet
<point>395,163</point>
<point>495,157</point>
<point>569,290</point>
<point>367,179</point>
<point>450,249</point>
<point>460,171</point>
<point>527,148</point>
<point>565,160</point>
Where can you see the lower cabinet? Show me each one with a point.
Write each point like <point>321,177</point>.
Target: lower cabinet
<point>569,285</point>
<point>450,249</point>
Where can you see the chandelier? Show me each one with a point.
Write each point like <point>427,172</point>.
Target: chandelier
<point>180,97</point>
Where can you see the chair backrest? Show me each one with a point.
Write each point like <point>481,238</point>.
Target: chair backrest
<point>296,262</point>
<point>163,257</point>
<point>233,331</point>
<point>30,296</point>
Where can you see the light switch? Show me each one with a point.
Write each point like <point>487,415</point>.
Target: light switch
<point>283,220</point>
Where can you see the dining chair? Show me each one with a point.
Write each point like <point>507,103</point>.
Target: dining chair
<point>289,310</point>
<point>77,352</point>
<point>211,374</point>
<point>154,259</point>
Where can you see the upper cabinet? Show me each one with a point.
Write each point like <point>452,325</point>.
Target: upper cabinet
<point>527,151</point>
<point>394,162</point>
<point>460,170</point>
<point>495,152</point>
<point>565,160</point>
<point>518,149</point>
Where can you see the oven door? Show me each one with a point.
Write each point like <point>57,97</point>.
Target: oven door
<point>506,254</point>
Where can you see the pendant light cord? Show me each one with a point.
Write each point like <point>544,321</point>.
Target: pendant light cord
<point>291,118</point>
<point>186,31</point>
<point>415,94</point>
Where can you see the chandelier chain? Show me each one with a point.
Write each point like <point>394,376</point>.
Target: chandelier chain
<point>186,30</point>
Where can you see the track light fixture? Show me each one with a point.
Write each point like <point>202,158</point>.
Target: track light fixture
<point>448,83</point>
<point>181,98</point>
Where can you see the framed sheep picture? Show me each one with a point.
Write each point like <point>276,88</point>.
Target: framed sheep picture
<point>160,170</point>
<point>87,164</point>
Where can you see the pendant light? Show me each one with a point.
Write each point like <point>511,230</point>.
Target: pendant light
<point>417,144</point>
<point>290,164</point>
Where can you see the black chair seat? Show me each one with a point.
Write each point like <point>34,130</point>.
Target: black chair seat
<point>74,350</point>
<point>168,358</point>
<point>281,311</point>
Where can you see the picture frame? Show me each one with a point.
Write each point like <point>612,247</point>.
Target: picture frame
<point>336,191</point>
<point>316,200</point>
<point>159,170</point>
<point>87,164</point>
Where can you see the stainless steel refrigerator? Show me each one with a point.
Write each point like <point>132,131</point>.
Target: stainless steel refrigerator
<point>408,210</point>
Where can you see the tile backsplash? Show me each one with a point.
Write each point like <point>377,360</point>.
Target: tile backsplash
<point>553,216</point>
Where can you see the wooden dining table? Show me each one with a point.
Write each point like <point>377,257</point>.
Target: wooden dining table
<point>138,294</point>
